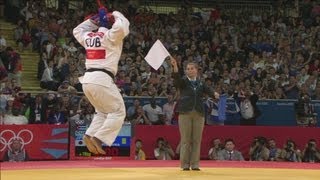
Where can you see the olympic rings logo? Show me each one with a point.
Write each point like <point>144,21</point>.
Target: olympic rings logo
<point>79,121</point>
<point>11,136</point>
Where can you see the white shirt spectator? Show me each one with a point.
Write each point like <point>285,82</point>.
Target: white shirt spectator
<point>275,77</point>
<point>246,109</point>
<point>72,50</point>
<point>260,64</point>
<point>145,75</point>
<point>153,114</point>
<point>26,13</point>
<point>14,120</point>
<point>168,112</point>
<point>18,32</point>
<point>3,43</point>
<point>49,49</point>
<point>255,18</point>
<point>47,75</point>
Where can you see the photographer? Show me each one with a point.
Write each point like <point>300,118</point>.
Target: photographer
<point>311,153</point>
<point>216,147</point>
<point>305,112</point>
<point>164,150</point>
<point>258,150</point>
<point>290,153</point>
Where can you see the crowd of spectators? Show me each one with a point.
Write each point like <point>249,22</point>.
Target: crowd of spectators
<point>267,53</point>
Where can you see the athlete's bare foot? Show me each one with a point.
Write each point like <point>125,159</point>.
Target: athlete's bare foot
<point>89,144</point>
<point>98,145</point>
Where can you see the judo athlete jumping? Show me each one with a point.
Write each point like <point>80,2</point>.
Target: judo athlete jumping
<point>102,37</point>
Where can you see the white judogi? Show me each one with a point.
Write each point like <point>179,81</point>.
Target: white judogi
<point>103,51</point>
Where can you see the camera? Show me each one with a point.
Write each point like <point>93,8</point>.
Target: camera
<point>164,143</point>
<point>289,146</point>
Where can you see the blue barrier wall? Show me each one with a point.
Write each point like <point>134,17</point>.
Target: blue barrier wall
<point>274,112</point>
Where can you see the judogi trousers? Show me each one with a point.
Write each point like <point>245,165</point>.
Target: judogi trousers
<point>110,111</point>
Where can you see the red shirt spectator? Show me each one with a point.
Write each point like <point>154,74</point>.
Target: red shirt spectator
<point>314,66</point>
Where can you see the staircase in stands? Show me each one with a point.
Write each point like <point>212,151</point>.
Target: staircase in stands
<point>29,81</point>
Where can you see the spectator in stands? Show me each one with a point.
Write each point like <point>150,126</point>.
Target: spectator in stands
<point>140,117</point>
<point>291,90</point>
<point>65,103</point>
<point>216,146</point>
<point>229,153</point>
<point>48,81</point>
<point>290,152</point>
<point>139,153</point>
<point>163,151</point>
<point>247,102</point>
<point>56,116</point>
<point>132,109</point>
<point>305,111</point>
<point>5,57</point>
<point>64,67</point>
<point>3,42</point>
<point>217,106</point>
<point>82,114</point>
<point>153,79</point>
<point>1,117</point>
<point>72,49</point>
<point>43,37</point>
<point>49,101</point>
<point>89,112</point>
<point>274,152</point>
<point>168,109</point>
<point>16,153</point>
<point>26,12</point>
<point>258,150</point>
<point>146,74</point>
<point>37,111</point>
<point>74,82</point>
<point>83,103</point>
<point>18,31</point>
<point>311,153</point>
<point>15,86</point>
<point>24,101</point>
<point>66,88</point>
<point>13,63</point>
<point>26,41</point>
<point>9,104</point>
<point>120,79</point>
<point>15,118</point>
<point>153,112</point>
<point>3,74</point>
<point>3,102</point>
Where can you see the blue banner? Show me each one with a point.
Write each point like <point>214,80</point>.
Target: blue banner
<point>273,112</point>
